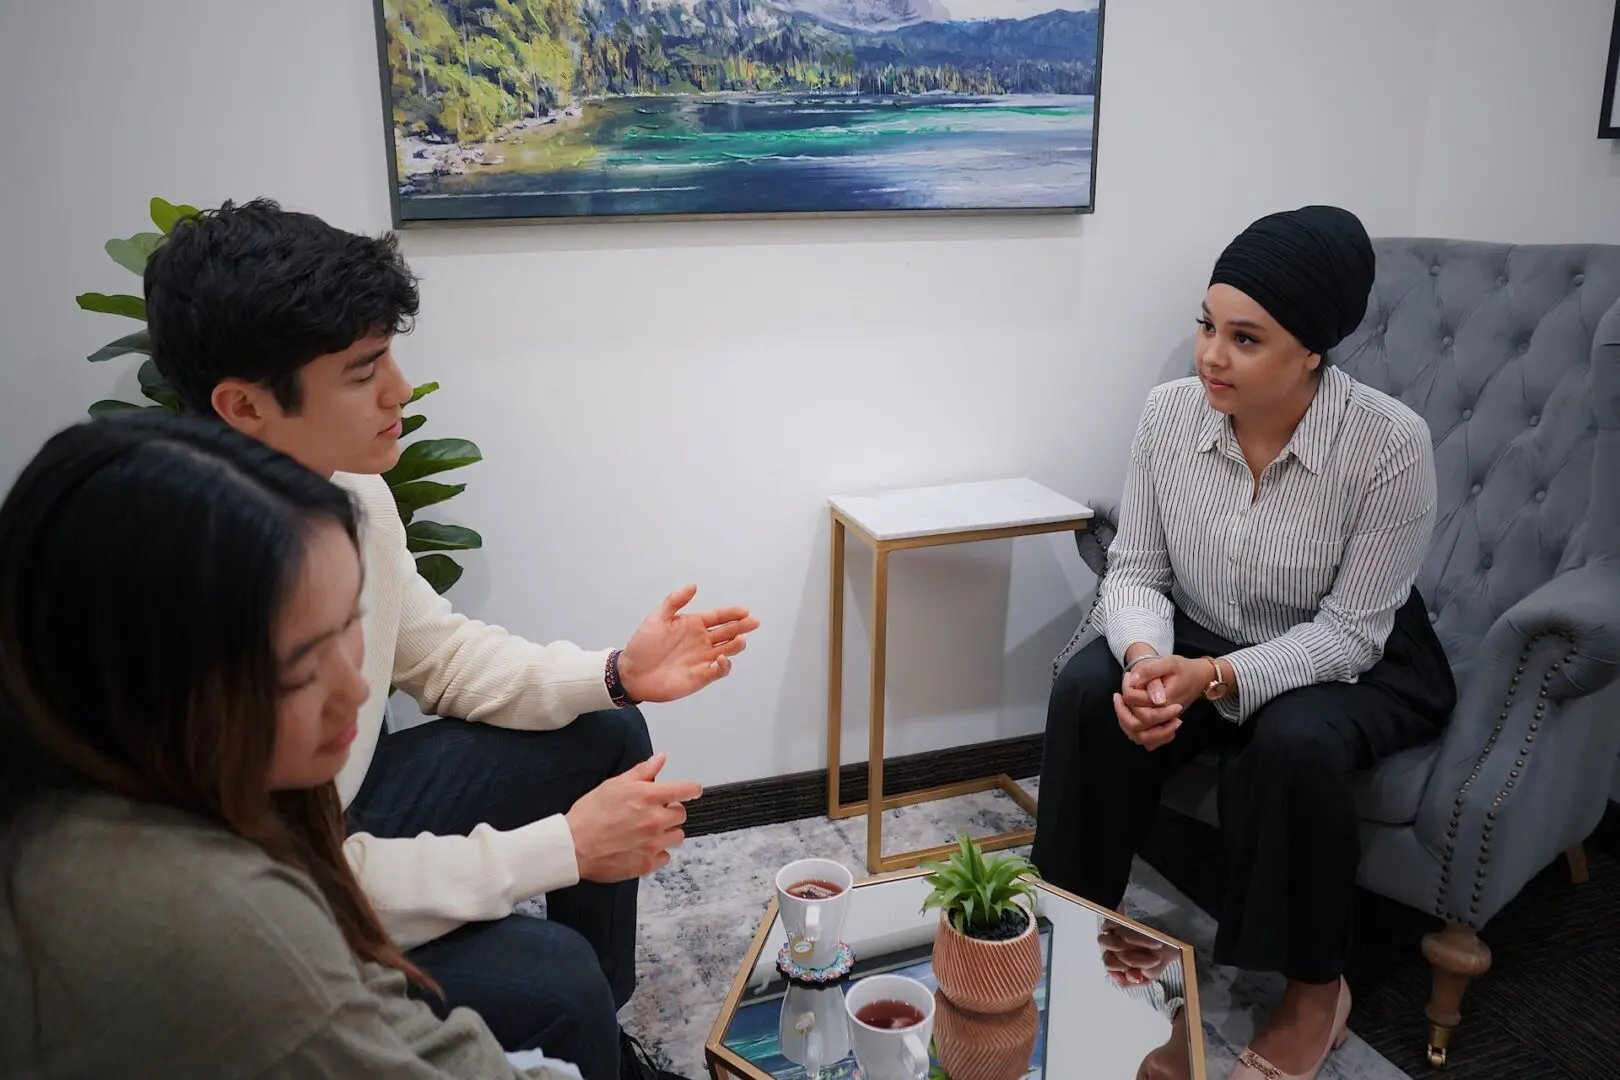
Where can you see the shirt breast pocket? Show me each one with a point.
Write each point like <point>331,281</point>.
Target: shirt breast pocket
<point>1298,570</point>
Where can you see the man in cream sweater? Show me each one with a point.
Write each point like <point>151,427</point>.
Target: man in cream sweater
<point>281,325</point>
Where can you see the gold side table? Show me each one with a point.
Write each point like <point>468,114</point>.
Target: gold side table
<point>903,521</point>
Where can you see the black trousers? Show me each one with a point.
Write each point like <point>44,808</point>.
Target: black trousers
<point>1288,818</point>
<point>554,984</point>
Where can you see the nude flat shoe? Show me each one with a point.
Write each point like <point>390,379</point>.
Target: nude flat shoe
<point>1251,1066</point>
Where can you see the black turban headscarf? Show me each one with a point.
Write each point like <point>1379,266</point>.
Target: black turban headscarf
<point>1311,269</point>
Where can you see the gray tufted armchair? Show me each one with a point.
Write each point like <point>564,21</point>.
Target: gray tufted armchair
<point>1512,356</point>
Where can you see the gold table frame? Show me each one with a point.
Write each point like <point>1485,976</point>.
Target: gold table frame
<point>726,1064</point>
<point>876,861</point>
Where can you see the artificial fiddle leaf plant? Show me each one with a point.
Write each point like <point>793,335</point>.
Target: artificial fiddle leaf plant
<point>429,541</point>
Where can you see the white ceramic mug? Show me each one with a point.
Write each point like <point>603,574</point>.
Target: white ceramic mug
<point>813,926</point>
<point>814,1031</point>
<point>890,1053</point>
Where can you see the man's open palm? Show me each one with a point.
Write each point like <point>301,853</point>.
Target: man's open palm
<point>676,653</point>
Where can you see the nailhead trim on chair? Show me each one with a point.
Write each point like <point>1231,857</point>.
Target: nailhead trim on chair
<point>1473,922</point>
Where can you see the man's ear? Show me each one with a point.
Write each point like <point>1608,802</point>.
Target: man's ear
<point>243,405</point>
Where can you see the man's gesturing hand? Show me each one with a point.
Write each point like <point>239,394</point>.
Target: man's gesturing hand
<point>626,827</point>
<point>675,653</point>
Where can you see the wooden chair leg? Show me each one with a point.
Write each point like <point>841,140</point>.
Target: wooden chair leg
<point>1458,958</point>
<point>1576,857</point>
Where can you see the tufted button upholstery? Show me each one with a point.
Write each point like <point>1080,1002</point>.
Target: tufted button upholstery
<point>1463,351</point>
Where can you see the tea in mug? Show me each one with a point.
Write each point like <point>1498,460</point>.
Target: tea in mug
<point>889,1015</point>
<point>814,890</point>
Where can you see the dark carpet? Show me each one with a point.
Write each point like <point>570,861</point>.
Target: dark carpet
<point>1547,1010</point>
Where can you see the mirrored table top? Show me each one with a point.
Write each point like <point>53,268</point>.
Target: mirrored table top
<point>1116,998</point>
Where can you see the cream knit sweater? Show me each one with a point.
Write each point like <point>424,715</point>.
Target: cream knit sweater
<point>425,886</point>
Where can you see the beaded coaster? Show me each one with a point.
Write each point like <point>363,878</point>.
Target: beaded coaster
<point>833,973</point>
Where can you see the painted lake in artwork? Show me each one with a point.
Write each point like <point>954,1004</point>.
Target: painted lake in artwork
<point>530,109</point>
<point>762,154</point>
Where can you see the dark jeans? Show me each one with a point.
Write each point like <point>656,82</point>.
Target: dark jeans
<point>554,984</point>
<point>1287,810</point>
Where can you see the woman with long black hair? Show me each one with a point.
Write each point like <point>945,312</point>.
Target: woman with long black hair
<point>180,673</point>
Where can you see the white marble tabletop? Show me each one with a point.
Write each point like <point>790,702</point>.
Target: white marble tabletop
<point>955,508</point>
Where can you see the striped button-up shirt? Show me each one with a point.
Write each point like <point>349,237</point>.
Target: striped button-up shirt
<point>1306,573</point>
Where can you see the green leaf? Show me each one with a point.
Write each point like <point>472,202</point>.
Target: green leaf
<point>138,342</point>
<point>132,254</point>
<point>410,423</point>
<point>989,909</point>
<point>131,307</point>
<point>165,398</point>
<point>165,213</point>
<point>415,495</point>
<point>420,392</point>
<point>432,456</point>
<point>441,571</point>
<point>431,536</point>
<point>108,407</point>
<point>975,858</point>
<point>155,387</point>
<point>1004,874</point>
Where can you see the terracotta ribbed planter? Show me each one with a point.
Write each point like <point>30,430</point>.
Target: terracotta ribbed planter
<point>989,977</point>
<point>973,1046</point>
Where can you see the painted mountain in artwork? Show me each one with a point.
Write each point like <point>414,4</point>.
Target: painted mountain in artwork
<point>867,14</point>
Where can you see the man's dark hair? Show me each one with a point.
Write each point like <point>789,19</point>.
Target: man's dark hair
<point>255,292</point>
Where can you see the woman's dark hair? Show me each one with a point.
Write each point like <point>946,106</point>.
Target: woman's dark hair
<point>144,561</point>
<point>256,292</point>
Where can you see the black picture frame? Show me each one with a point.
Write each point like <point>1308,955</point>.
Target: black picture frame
<point>404,218</point>
<point>1609,120</point>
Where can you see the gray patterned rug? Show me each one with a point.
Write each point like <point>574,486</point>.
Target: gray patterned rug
<point>699,914</point>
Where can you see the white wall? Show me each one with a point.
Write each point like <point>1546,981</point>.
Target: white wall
<point>667,402</point>
<point>1512,152</point>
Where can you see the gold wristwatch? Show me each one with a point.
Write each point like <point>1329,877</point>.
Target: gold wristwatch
<point>1218,687</point>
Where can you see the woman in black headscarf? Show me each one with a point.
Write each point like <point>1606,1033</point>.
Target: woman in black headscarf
<point>1258,599</point>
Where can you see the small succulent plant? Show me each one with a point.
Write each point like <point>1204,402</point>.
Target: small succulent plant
<point>978,895</point>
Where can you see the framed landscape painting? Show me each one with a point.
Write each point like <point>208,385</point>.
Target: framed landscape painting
<point>592,109</point>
